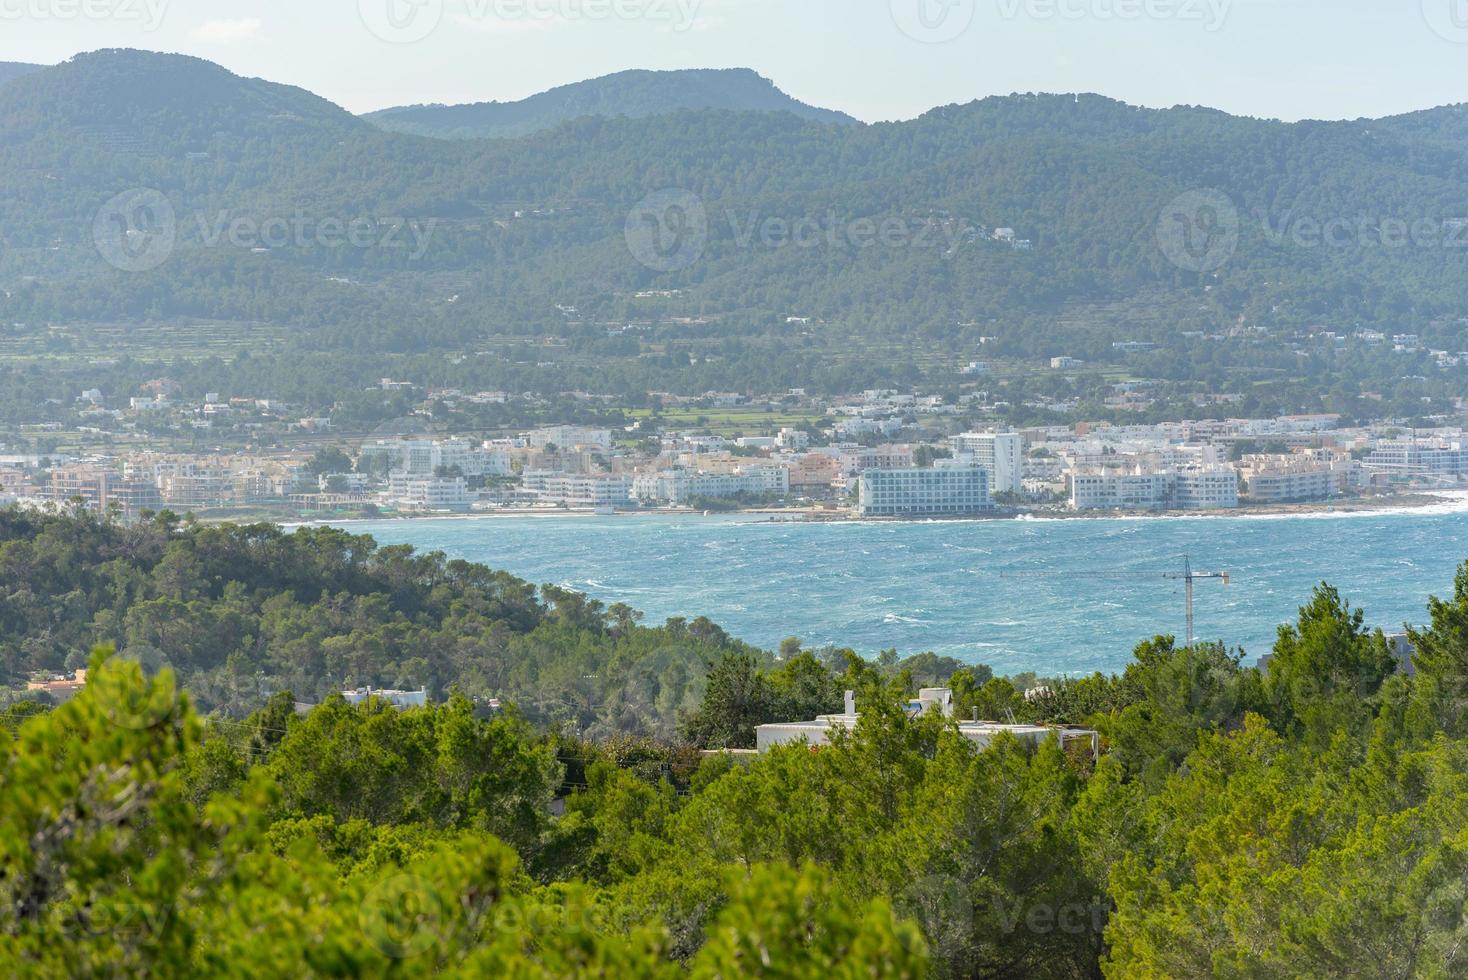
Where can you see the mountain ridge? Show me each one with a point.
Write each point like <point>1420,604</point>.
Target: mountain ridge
<point>526,228</point>
<point>636,93</point>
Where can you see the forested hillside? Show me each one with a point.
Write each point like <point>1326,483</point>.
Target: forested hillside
<point>885,230</point>
<point>1310,819</point>
<point>630,93</point>
<point>240,613</point>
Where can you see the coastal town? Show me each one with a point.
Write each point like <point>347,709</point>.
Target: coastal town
<point>878,454</point>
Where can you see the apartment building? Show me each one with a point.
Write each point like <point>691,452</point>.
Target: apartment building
<point>952,490</point>
<point>426,457</point>
<point>1120,489</point>
<point>1298,477</point>
<point>1411,458</point>
<point>429,493</point>
<point>1001,453</point>
<point>102,490</point>
<point>1140,488</point>
<point>574,490</point>
<point>569,437</point>
<point>890,457</point>
<point>679,487</point>
<point>1205,488</point>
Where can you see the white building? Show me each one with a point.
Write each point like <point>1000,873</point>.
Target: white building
<point>431,494</point>
<point>570,437</point>
<point>952,490</point>
<point>1120,489</point>
<point>426,457</point>
<point>793,440</point>
<point>402,700</point>
<point>1433,460</point>
<point>679,487</point>
<point>1199,487</point>
<point>819,731</point>
<point>1297,477</point>
<point>1002,454</point>
<point>598,491</point>
<point>1206,488</point>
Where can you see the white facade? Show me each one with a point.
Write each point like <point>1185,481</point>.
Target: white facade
<point>572,490</point>
<point>1206,488</point>
<point>570,437</point>
<point>402,700</point>
<point>678,487</point>
<point>426,457</point>
<point>1001,453</point>
<point>1184,488</point>
<point>431,493</point>
<point>1289,479</point>
<point>817,733</point>
<point>1409,458</point>
<point>942,491</point>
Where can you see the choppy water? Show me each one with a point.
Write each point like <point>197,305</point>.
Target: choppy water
<point>1049,596</point>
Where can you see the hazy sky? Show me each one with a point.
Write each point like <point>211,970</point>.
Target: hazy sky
<point>876,59</point>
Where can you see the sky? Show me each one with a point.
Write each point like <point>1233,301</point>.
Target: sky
<point>875,59</point>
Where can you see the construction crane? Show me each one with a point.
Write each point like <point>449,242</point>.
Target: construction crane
<point>1189,577</point>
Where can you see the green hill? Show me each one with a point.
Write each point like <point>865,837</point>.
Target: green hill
<point>634,94</point>
<point>883,234</point>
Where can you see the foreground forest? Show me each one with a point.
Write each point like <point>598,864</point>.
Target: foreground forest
<point>1307,820</point>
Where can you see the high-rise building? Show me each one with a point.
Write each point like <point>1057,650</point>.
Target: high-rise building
<point>1002,454</point>
<point>952,490</point>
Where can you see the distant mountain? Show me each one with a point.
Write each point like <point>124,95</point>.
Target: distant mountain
<point>158,98</point>
<point>884,234</point>
<point>15,69</point>
<point>635,94</point>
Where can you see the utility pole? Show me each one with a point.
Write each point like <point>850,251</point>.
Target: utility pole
<point>1188,578</point>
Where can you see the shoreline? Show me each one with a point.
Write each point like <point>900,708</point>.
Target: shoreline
<point>1426,502</point>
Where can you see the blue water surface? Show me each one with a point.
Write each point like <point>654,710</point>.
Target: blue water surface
<point>1052,596</point>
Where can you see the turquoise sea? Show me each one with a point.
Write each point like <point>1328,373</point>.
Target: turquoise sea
<point>1053,596</point>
